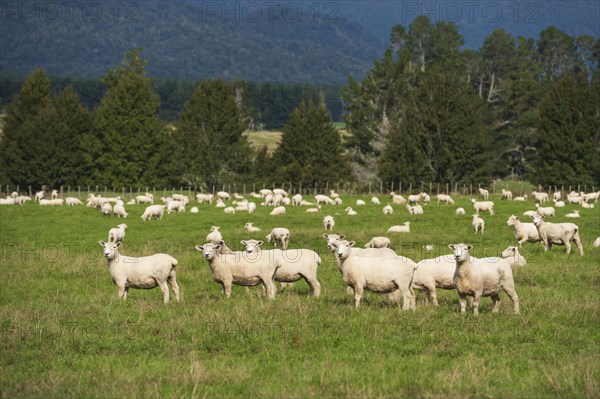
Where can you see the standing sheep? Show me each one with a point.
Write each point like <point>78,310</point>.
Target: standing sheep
<point>281,235</point>
<point>153,211</point>
<point>557,233</point>
<point>484,193</point>
<point>378,242</point>
<point>388,210</point>
<point>444,198</point>
<point>483,206</point>
<point>513,257</point>
<point>328,222</point>
<point>478,224</point>
<point>524,232</point>
<point>117,234</point>
<point>215,235</point>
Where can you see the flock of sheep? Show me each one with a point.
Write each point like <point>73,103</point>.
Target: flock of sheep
<point>375,268</point>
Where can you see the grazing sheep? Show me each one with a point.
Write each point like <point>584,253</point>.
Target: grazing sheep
<point>264,192</point>
<point>181,198</point>
<point>277,200</point>
<point>596,243</point>
<point>72,201</point>
<point>482,277</point>
<point>507,195</point>
<point>175,206</point>
<point>444,198</point>
<point>375,201</point>
<point>591,197</point>
<point>545,211</point>
<point>574,199</point>
<point>297,200</point>
<point>117,233</point>
<point>483,206</point>
<point>397,199</point>
<point>382,275</point>
<point>484,193</point>
<point>435,273</point>
<point>524,232</point>
<point>328,222</point>
<point>378,242</point>
<point>119,210</point>
<point>295,264</point>
<point>251,229</point>
<point>194,209</point>
<point>557,233</point>
<point>145,272</point>
<point>513,257</point>
<point>350,212</point>
<point>540,197</point>
<point>400,229</point>
<point>223,195</point>
<point>388,210</point>
<point>251,207</point>
<point>204,198</point>
<point>478,224</point>
<point>415,209</point>
<point>574,215</point>
<point>153,211</point>
<point>106,209</point>
<point>280,191</point>
<point>425,198</point>
<point>215,235</point>
<point>281,235</point>
<point>319,199</point>
<point>413,199</point>
<point>460,211</point>
<point>21,199</point>
<point>144,199</point>
<point>280,210</point>
<point>338,201</point>
<point>314,210</point>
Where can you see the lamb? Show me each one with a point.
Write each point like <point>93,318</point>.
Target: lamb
<point>251,207</point>
<point>314,210</point>
<point>220,204</point>
<point>545,211</point>
<point>280,191</point>
<point>484,193</point>
<point>204,198</point>
<point>360,202</point>
<point>54,194</point>
<point>230,268</point>
<point>556,196</point>
<point>117,234</point>
<point>478,224</point>
<point>277,199</point>
<point>559,204</point>
<point>280,210</point>
<point>145,272</point>
<point>388,210</point>
<point>297,200</point>
<point>194,209</point>
<point>215,235</point>
<point>413,199</point>
<point>557,233</point>
<point>524,232</point>
<point>153,211</point>
<point>513,257</point>
<point>319,199</point>
<point>251,229</point>
<point>223,195</point>
<point>286,201</point>
<point>482,277</point>
<point>540,197</point>
<point>507,195</point>
<point>400,229</point>
<point>295,265</point>
<point>119,211</point>
<point>38,196</point>
<point>483,206</point>
<point>460,211</point>
<point>520,198</point>
<point>378,242</point>
<point>397,199</point>
<point>435,273</point>
<point>333,194</point>
<point>72,201</point>
<point>350,212</point>
<point>144,199</point>
<point>574,215</point>
<point>415,209</point>
<point>426,198</point>
<point>383,275</point>
<point>375,201</point>
<point>281,235</point>
<point>175,206</point>
<point>444,198</point>
<point>591,197</point>
<point>106,209</point>
<point>8,201</point>
<point>229,210</point>
<point>21,199</point>
<point>328,222</point>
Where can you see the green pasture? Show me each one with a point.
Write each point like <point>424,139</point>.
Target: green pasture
<point>66,334</point>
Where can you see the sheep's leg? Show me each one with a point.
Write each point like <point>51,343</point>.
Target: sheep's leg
<point>568,246</point>
<point>578,243</point>
<point>315,286</point>
<point>512,294</point>
<point>476,299</point>
<point>495,303</point>
<point>462,301</point>
<point>432,293</point>
<point>165,289</point>
<point>270,287</point>
<point>349,290</point>
<point>226,288</point>
<point>358,291</point>
<point>174,286</point>
<point>122,293</point>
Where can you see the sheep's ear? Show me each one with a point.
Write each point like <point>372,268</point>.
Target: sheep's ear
<point>451,246</point>
<point>351,243</point>
<point>469,247</point>
<point>516,217</point>
<point>101,243</point>
<point>259,243</point>
<point>118,244</point>
<point>325,236</point>
<point>243,242</point>
<point>199,248</point>
<point>342,236</point>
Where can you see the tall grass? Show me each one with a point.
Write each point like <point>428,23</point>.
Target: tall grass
<point>66,334</point>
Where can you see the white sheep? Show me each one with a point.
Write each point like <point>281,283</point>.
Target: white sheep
<point>586,205</point>
<point>223,195</point>
<point>444,198</point>
<point>350,212</point>
<point>482,277</point>
<point>596,243</point>
<point>375,201</point>
<point>382,275</point>
<point>425,198</point>
<point>214,235</point>
<point>280,210</point>
<point>38,196</point>
<point>14,195</point>
<point>507,195</point>
<point>181,198</point>
<point>50,202</point>
<point>220,204</point>
<point>54,194</point>
<point>306,203</point>
<point>146,272</point>
<point>513,257</point>
<point>21,199</point>
<point>540,197</point>
<point>119,210</point>
<point>153,211</point>
<point>415,209</point>
<point>229,210</point>
<point>323,199</point>
<point>591,197</point>
<point>106,209</point>
<point>573,215</point>
<point>400,229</point>
<point>9,201</point>
<point>204,198</point>
<point>559,204</point>
<point>281,235</point>
<point>333,194</point>
<point>297,200</point>
<point>574,199</point>
<point>460,211</point>
<point>484,193</point>
<point>413,198</point>
<point>397,199</point>
<point>251,229</point>
<point>360,202</point>
<point>435,273</point>
<point>524,232</point>
<point>251,207</point>
<point>117,233</point>
<point>277,199</point>
<point>175,206</point>
<point>530,213</point>
<point>483,206</point>
<point>72,201</point>
<point>522,198</point>
<point>557,233</point>
<point>388,210</point>
<point>338,201</point>
<point>280,191</point>
<point>264,192</point>
<point>194,209</point>
<point>228,268</point>
<point>144,199</point>
<point>378,242</point>
<point>478,224</point>
<point>556,196</point>
<point>545,211</point>
<point>295,264</point>
<point>314,210</point>
<point>328,222</point>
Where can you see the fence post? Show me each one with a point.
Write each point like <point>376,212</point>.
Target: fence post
<point>392,186</point>
<point>410,188</point>
<point>438,188</point>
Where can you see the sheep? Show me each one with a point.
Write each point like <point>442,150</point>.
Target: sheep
<point>378,242</point>
<point>145,272</point>
<point>223,195</point>
<point>484,193</point>
<point>397,199</point>
<point>117,233</point>
<point>388,210</point>
<point>482,277</point>
<point>220,204</point>
<point>72,201</point>
<point>295,264</point>
<point>530,213</point>
<point>230,268</point>
<point>251,229</point>
<point>556,196</point>
<point>596,243</point>
<point>545,211</point>
<point>175,206</point>
<point>251,207</point>
<point>319,199</point>
<point>360,202</point>
<point>365,252</point>
<point>413,199</point>
<point>153,211</point>
<point>435,273</point>
<point>350,212</point>
<point>557,233</point>
<point>38,196</point>
<point>460,211</point>
<point>306,203</point>
<point>513,257</point>
<point>51,202</point>
<point>281,235</point>
<point>540,197</point>
<point>574,215</point>
<point>586,205</point>
<point>54,194</point>
<point>194,209</point>
<point>483,206</point>
<point>425,198</point>
<point>314,210</point>
<point>286,201</point>
<point>238,196</point>
<point>376,274</point>
<point>328,222</point>
<point>591,197</point>
<point>119,211</point>
<point>144,199</point>
<point>215,235</point>
<point>204,198</point>
<point>559,204</point>
<point>415,209</point>
<point>338,201</point>
<point>375,201</point>
<point>400,229</point>
<point>21,199</point>
<point>131,202</point>
<point>520,198</point>
<point>181,198</point>
<point>574,199</point>
<point>478,224</point>
<point>280,191</point>
<point>106,209</point>
<point>14,195</point>
<point>333,194</point>
<point>9,201</point>
<point>507,195</point>
<point>297,200</point>
<point>444,198</point>
<point>277,199</point>
<point>524,232</point>
<point>229,210</point>
<point>280,210</point>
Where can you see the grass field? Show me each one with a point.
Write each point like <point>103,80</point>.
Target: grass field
<point>262,138</point>
<point>66,334</point>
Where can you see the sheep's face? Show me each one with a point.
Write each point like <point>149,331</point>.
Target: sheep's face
<point>461,251</point>
<point>332,239</point>
<point>110,249</point>
<point>537,219</point>
<point>210,250</point>
<point>252,245</point>
<point>343,248</point>
<point>512,220</point>
<point>510,251</point>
